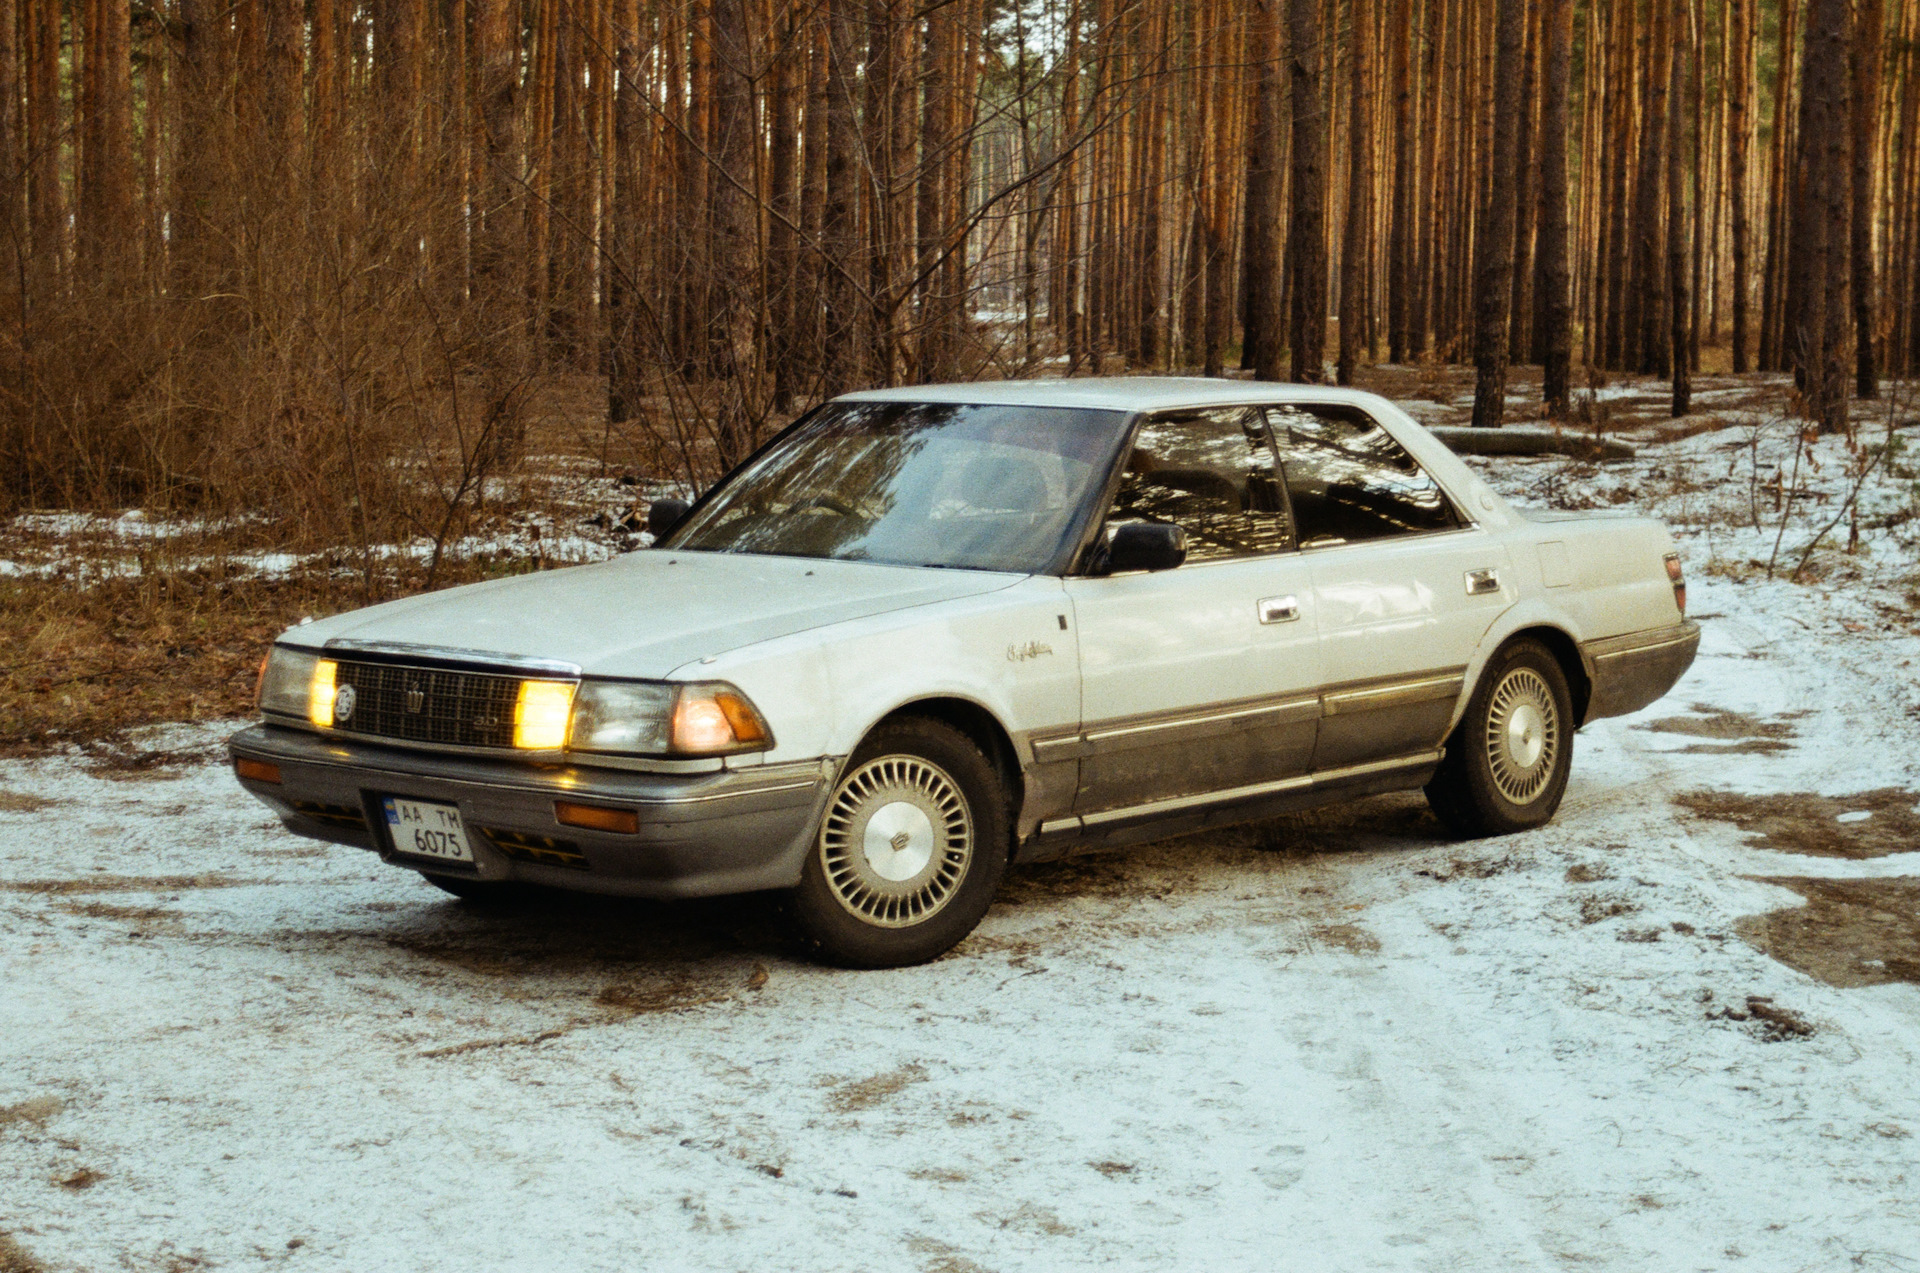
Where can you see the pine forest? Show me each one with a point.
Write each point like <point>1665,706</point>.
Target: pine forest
<point>256,253</point>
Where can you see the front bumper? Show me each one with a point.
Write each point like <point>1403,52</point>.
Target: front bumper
<point>729,831</point>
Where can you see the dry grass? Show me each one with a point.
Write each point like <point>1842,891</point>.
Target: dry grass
<point>863,1094</point>
<point>15,1258</point>
<point>1806,823</point>
<point>91,662</point>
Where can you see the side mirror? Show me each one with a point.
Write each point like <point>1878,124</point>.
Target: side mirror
<point>1145,546</point>
<point>664,514</point>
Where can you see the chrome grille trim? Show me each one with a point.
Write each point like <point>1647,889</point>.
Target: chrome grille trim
<point>461,709</point>
<point>416,654</point>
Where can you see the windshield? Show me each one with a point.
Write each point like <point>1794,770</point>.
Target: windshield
<point>916,484</point>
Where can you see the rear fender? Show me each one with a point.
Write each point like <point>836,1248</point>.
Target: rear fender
<point>1558,633</point>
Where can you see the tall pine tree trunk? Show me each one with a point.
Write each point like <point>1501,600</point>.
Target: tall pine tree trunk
<point>1355,245</point>
<point>1818,322</point>
<point>1870,21</point>
<point>1400,245</point>
<point>1677,264</point>
<point>1262,332</point>
<point>1649,293</point>
<point>1555,285</point>
<point>1493,263</point>
<point>1307,240</point>
<point>1740,27</point>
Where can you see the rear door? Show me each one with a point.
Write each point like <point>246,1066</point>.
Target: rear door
<point>1202,678</point>
<point>1404,585</point>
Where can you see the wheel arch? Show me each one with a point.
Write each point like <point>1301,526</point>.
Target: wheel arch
<point>1566,652</point>
<point>979,724</point>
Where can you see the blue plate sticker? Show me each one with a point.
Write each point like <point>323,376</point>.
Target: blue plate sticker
<point>393,814</point>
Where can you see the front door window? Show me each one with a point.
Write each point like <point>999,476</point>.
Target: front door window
<point>1213,474</point>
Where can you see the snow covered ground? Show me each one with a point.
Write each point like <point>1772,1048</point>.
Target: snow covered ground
<point>1336,1042</point>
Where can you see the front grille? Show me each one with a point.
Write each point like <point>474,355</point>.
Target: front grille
<point>429,705</point>
<point>537,848</point>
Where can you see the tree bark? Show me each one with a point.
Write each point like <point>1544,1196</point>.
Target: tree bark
<point>1307,249</point>
<point>1555,284</point>
<point>1262,330</point>
<point>1817,325</point>
<point>1493,265</point>
<point>783,204</point>
<point>1526,195</point>
<point>1740,26</point>
<point>1649,294</point>
<point>1677,237</point>
<point>840,219</point>
<point>13,184</point>
<point>285,95</point>
<point>1400,249</point>
<point>1355,241</point>
<point>1869,25</point>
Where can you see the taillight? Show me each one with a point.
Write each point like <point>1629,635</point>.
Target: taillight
<point>1679,580</point>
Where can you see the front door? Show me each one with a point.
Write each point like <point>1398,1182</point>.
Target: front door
<point>1403,585</point>
<point>1202,678</point>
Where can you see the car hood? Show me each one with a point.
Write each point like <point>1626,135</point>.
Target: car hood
<point>647,613</point>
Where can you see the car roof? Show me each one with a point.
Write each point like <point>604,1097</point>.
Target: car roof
<point>1115,393</point>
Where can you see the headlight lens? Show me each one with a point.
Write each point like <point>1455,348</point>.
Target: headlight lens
<point>286,684</point>
<point>646,718</point>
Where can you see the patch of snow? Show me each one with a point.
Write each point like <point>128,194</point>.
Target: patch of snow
<point>1369,1049</point>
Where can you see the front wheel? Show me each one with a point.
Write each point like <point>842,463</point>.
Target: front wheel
<point>909,852</point>
<point>1507,763</point>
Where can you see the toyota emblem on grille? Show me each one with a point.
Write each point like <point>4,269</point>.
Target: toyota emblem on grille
<point>343,703</point>
<point>416,698</point>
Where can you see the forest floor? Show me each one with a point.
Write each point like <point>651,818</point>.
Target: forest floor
<point>1675,1029</point>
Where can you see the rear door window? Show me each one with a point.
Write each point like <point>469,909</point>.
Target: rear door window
<point>1348,480</point>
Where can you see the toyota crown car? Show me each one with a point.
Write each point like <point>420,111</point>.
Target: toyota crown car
<point>928,632</point>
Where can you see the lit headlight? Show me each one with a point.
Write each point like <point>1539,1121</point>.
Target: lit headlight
<point>287,683</point>
<point>649,718</point>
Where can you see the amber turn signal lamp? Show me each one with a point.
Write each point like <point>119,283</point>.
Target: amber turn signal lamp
<point>1679,579</point>
<point>596,817</point>
<point>258,770</point>
<point>745,722</point>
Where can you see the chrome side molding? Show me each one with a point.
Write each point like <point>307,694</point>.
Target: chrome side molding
<point>1232,795</point>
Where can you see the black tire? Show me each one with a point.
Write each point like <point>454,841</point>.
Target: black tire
<point>1507,763</point>
<point>492,893</point>
<point>871,897</point>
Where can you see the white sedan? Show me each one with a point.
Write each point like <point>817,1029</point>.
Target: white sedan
<point>927,632</point>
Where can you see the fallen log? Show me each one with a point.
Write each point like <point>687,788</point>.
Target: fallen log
<point>1520,441</point>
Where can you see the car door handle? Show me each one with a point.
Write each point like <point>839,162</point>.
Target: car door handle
<point>1482,581</point>
<point>1279,609</point>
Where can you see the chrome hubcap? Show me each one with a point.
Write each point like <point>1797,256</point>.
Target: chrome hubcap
<point>896,841</point>
<point>1523,735</point>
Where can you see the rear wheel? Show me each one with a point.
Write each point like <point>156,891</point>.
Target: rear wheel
<point>1507,763</point>
<point>909,852</point>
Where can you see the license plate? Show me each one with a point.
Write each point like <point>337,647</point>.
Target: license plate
<point>425,829</point>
